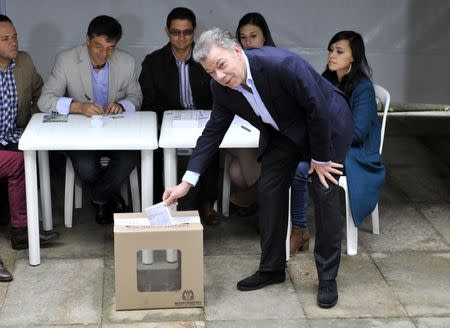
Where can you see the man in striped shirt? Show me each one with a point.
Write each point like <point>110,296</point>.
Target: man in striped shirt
<point>17,75</point>
<point>170,79</point>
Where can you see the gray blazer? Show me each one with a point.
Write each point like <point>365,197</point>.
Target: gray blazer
<point>71,77</point>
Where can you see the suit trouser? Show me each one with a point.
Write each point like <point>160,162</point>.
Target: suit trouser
<point>12,168</point>
<point>103,182</point>
<point>279,162</point>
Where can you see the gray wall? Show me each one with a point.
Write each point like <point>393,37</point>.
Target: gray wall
<point>407,41</point>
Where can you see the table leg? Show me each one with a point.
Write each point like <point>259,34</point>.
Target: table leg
<point>32,207</point>
<point>170,167</point>
<point>46,197</point>
<point>147,178</point>
<point>147,193</point>
<point>170,179</point>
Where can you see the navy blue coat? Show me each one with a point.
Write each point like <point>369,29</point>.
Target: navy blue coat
<point>306,107</point>
<point>363,165</point>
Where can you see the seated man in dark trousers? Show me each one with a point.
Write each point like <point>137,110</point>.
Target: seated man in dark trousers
<point>170,79</point>
<point>20,86</point>
<point>301,116</point>
<point>94,79</point>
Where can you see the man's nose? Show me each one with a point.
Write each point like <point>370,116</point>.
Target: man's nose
<point>220,75</point>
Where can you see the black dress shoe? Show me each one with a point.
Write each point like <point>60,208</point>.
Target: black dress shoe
<point>327,296</point>
<point>103,214</point>
<point>19,238</point>
<point>5,275</point>
<point>117,204</point>
<point>261,279</point>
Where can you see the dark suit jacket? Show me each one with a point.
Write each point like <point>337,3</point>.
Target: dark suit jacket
<point>306,107</point>
<point>160,83</point>
<point>363,165</point>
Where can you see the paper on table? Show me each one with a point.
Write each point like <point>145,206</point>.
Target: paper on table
<point>159,214</point>
<point>203,117</point>
<point>240,121</point>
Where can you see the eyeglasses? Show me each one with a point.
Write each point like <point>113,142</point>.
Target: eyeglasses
<point>187,32</point>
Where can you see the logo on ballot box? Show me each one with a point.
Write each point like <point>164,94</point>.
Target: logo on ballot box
<point>188,295</point>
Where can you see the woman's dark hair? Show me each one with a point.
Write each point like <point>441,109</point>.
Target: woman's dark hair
<point>360,67</point>
<point>258,20</point>
<point>105,26</point>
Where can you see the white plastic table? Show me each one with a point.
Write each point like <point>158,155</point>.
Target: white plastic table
<point>132,131</point>
<point>172,138</point>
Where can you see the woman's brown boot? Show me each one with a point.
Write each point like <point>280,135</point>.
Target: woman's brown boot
<point>299,240</point>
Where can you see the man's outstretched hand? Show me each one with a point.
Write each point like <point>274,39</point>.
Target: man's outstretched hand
<point>325,171</point>
<point>171,194</point>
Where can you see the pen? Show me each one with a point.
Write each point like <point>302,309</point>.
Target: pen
<point>90,100</point>
<point>246,128</point>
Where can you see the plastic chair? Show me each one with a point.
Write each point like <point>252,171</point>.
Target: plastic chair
<point>73,182</point>
<point>382,96</point>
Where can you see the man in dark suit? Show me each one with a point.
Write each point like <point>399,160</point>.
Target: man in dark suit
<point>170,79</point>
<point>301,116</point>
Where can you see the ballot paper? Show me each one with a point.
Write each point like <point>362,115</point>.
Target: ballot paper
<point>159,214</point>
<point>162,215</point>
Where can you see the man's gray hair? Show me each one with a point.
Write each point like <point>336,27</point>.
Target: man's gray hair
<point>213,37</point>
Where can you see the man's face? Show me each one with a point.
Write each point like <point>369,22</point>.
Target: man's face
<point>181,34</point>
<point>226,66</point>
<point>100,49</point>
<point>8,43</point>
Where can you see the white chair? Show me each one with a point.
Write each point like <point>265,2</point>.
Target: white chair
<point>73,182</point>
<point>382,96</point>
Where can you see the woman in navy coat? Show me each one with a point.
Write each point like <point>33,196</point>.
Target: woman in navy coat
<point>347,68</point>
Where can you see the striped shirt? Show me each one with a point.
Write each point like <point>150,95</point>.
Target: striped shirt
<point>186,100</point>
<point>9,132</point>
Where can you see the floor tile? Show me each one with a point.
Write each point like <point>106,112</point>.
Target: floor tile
<point>55,292</point>
<point>439,216</point>
<point>421,184</point>
<point>403,227</point>
<point>434,322</point>
<point>362,290</point>
<point>359,323</point>
<point>297,323</point>
<point>419,279</point>
<point>233,236</point>
<point>225,302</point>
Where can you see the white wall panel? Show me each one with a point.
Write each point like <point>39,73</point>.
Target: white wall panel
<point>407,41</point>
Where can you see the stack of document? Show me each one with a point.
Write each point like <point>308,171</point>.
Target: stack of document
<point>185,119</point>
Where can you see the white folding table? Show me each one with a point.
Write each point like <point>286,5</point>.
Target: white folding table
<point>130,131</point>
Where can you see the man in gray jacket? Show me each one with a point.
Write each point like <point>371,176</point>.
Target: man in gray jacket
<point>94,79</point>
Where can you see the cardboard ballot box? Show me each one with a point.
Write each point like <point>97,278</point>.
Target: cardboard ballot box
<point>160,283</point>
